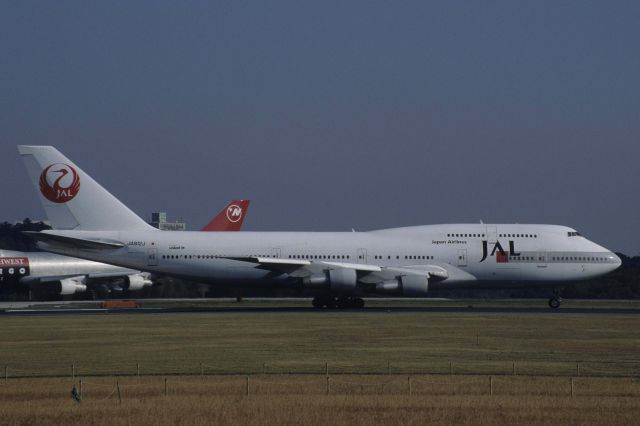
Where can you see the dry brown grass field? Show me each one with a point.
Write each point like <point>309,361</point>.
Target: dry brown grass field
<point>301,399</point>
<point>370,357</point>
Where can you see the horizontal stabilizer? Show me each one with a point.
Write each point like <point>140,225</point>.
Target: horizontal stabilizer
<point>96,244</point>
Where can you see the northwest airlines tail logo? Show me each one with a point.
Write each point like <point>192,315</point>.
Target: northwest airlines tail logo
<point>59,183</point>
<point>234,213</point>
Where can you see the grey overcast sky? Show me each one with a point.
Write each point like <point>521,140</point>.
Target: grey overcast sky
<point>330,115</point>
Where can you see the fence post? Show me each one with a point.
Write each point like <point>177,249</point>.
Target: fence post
<point>119,395</point>
<point>201,369</point>
<point>409,384</point>
<point>491,385</point>
<point>264,368</point>
<point>451,368</point>
<point>578,369</point>
<point>388,367</point>
<point>73,370</point>
<point>514,368</point>
<point>138,368</point>
<point>80,393</point>
<point>166,388</point>
<point>247,388</point>
<point>328,386</point>
<point>572,387</point>
<point>326,368</point>
<point>6,372</point>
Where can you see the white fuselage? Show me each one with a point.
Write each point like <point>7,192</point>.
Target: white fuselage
<point>39,265</point>
<point>471,253</point>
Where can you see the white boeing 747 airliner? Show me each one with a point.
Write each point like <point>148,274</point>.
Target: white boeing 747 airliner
<point>91,223</point>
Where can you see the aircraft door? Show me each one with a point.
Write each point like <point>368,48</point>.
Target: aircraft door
<point>492,234</point>
<point>462,257</point>
<point>362,255</point>
<point>275,252</point>
<point>152,257</point>
<point>541,258</point>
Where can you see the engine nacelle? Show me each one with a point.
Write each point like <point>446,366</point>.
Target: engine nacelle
<point>343,280</point>
<point>316,281</point>
<point>136,282</point>
<point>71,286</point>
<point>389,287</point>
<point>414,285</point>
<point>338,280</point>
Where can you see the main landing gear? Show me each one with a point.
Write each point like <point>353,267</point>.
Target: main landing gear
<point>331,302</point>
<point>554,302</point>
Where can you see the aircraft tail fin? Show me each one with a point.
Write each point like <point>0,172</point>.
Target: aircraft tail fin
<point>71,198</point>
<point>230,218</point>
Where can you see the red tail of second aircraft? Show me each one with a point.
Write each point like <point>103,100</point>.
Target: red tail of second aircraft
<point>230,218</point>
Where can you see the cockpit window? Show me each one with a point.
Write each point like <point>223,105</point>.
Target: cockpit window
<point>573,234</point>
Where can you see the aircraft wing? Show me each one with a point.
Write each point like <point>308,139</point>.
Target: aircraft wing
<point>47,279</point>
<point>90,276</point>
<point>271,261</point>
<point>366,272</point>
<point>74,242</point>
<point>277,263</point>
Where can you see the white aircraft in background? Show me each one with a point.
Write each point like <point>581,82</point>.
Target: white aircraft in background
<point>340,266</point>
<point>56,275</point>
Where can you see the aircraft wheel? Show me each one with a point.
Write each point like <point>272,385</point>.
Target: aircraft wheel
<point>347,302</point>
<point>554,303</point>
<point>350,303</point>
<point>318,303</point>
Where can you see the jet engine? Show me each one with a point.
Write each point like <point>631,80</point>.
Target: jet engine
<point>136,282</point>
<point>315,281</point>
<point>340,280</point>
<point>414,285</point>
<point>343,280</point>
<point>71,286</point>
<point>407,285</point>
<point>388,287</point>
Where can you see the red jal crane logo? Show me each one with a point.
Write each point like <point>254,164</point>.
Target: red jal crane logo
<point>234,213</point>
<point>59,183</point>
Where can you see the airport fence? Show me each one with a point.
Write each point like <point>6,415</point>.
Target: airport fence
<point>435,367</point>
<point>111,389</point>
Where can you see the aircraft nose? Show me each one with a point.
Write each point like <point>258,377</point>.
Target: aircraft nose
<point>615,260</point>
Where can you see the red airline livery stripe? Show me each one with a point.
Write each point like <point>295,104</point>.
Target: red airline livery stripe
<point>502,257</point>
<point>14,261</point>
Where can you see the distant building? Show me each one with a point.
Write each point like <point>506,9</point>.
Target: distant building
<point>159,220</point>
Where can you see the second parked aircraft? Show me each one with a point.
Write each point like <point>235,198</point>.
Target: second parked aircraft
<point>48,274</point>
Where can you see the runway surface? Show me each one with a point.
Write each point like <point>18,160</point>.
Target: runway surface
<point>298,310</point>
